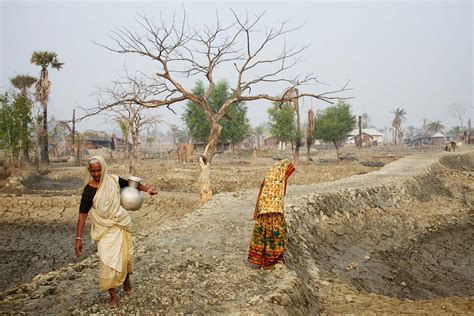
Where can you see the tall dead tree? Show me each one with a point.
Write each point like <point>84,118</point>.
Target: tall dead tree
<point>242,46</point>
<point>292,95</point>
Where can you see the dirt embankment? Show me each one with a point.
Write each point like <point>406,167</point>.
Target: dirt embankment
<point>403,245</point>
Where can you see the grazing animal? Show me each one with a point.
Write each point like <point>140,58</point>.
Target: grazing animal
<point>450,146</point>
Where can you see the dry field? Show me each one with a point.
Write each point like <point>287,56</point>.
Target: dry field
<point>363,239</point>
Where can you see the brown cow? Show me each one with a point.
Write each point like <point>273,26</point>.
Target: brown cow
<point>451,146</point>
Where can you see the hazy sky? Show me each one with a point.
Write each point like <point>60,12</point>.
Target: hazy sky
<point>417,55</point>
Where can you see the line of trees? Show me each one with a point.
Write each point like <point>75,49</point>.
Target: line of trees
<point>18,122</point>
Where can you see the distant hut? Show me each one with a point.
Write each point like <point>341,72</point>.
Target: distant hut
<point>438,139</point>
<point>370,137</point>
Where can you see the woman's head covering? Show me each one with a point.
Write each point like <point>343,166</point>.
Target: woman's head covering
<point>273,189</point>
<point>103,166</point>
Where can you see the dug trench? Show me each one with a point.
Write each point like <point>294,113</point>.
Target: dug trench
<point>403,246</point>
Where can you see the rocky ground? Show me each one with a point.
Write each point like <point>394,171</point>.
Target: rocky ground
<point>396,239</point>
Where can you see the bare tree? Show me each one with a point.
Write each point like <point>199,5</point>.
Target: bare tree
<point>149,138</point>
<point>136,120</point>
<point>129,113</point>
<point>244,44</point>
<point>458,111</point>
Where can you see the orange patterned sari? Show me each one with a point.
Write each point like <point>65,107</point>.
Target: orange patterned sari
<point>269,237</point>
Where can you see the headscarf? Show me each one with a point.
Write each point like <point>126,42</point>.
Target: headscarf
<point>272,191</point>
<point>106,209</point>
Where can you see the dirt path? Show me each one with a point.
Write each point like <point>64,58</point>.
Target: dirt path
<point>198,264</point>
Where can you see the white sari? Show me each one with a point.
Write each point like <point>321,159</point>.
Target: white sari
<point>111,230</point>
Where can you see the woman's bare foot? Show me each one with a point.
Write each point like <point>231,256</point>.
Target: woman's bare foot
<point>114,302</point>
<point>127,285</point>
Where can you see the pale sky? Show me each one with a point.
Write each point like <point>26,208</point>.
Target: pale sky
<point>417,55</point>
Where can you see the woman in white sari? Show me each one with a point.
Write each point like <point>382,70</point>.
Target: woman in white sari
<point>111,226</point>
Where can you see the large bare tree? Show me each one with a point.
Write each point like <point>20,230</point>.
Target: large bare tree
<point>254,58</point>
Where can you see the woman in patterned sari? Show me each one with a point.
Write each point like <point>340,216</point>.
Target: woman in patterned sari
<point>269,237</point>
<point>111,226</point>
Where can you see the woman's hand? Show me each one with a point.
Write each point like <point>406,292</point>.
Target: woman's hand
<point>151,190</point>
<point>78,247</point>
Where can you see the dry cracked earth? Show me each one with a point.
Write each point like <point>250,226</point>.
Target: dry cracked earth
<point>397,239</point>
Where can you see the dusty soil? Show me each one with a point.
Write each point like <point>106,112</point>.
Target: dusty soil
<point>412,252</point>
<point>31,243</point>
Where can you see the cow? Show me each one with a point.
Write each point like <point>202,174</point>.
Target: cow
<point>450,146</point>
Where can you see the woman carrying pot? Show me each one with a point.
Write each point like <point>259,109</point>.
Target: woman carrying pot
<point>111,226</point>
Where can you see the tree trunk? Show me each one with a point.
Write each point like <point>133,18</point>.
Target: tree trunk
<point>469,131</point>
<point>135,150</point>
<point>73,135</point>
<point>298,130</point>
<point>26,155</point>
<point>212,141</point>
<point>204,180</point>
<point>44,137</point>
<point>297,152</point>
<point>337,151</point>
<point>25,147</point>
<point>79,154</point>
<point>309,133</point>
<point>359,141</point>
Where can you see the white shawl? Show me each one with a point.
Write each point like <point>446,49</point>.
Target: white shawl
<point>109,219</point>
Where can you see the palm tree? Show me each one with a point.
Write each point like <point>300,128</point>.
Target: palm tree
<point>425,124</point>
<point>435,127</point>
<point>398,119</point>
<point>23,83</point>
<point>43,87</point>
<point>455,132</point>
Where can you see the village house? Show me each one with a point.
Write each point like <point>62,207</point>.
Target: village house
<point>426,138</point>
<point>370,137</point>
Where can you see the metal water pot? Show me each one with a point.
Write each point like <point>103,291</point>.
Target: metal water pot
<point>130,197</point>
